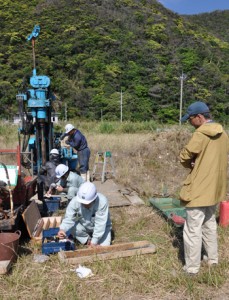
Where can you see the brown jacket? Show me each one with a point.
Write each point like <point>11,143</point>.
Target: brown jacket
<point>206,183</point>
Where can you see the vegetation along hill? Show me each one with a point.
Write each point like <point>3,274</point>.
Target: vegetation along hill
<point>216,22</point>
<point>94,49</point>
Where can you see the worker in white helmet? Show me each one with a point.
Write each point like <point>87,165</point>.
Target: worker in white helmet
<point>78,141</point>
<point>47,173</point>
<point>87,216</point>
<point>66,181</point>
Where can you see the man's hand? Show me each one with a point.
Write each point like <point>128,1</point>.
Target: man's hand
<point>59,188</point>
<point>61,234</point>
<point>90,245</point>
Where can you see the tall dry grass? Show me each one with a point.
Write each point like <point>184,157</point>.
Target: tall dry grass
<point>145,161</point>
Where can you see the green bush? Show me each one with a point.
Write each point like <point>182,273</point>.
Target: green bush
<point>106,127</point>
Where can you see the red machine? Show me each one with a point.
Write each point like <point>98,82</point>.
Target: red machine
<point>14,198</point>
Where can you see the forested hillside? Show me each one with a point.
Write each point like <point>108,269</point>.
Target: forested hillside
<point>216,22</point>
<point>93,49</point>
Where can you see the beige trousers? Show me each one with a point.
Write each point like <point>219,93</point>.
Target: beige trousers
<point>200,227</point>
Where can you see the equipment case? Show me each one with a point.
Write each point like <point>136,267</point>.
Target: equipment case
<point>43,230</point>
<point>35,224</point>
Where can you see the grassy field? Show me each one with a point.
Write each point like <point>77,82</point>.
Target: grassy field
<point>146,160</point>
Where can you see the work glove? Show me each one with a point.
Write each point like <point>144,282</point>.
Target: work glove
<point>42,170</point>
<point>53,186</point>
<point>63,135</point>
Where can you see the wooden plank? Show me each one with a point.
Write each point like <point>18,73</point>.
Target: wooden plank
<point>31,217</point>
<point>112,192</point>
<point>105,249</point>
<point>39,229</point>
<point>5,266</point>
<point>104,253</point>
<point>134,199</point>
<point>109,255</point>
<point>47,224</point>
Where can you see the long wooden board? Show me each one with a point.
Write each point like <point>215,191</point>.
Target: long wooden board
<point>109,252</point>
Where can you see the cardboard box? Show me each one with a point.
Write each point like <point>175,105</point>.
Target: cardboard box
<point>35,224</point>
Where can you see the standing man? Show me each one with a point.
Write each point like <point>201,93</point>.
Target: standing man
<point>78,141</point>
<point>206,155</point>
<point>88,216</point>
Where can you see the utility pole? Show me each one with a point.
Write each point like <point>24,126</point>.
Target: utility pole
<point>66,112</point>
<point>121,107</point>
<point>182,78</point>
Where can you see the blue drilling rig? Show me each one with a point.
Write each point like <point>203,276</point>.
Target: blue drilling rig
<point>36,139</point>
<point>35,109</point>
<point>36,134</point>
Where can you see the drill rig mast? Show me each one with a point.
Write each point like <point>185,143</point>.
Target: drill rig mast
<point>35,109</point>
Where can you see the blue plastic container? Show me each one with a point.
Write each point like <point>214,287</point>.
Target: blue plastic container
<point>51,204</point>
<point>51,245</point>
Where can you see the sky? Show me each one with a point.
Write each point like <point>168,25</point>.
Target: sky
<point>191,7</point>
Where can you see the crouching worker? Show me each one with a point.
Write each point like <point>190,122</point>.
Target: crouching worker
<point>88,217</point>
<point>66,182</point>
<point>47,174</point>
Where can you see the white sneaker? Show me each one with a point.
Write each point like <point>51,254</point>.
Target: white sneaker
<point>209,262</point>
<point>189,273</point>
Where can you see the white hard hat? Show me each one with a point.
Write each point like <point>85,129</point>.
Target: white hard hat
<point>61,170</point>
<point>68,128</point>
<point>87,193</point>
<point>54,151</point>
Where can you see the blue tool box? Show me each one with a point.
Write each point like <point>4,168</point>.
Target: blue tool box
<point>51,243</point>
<point>52,204</point>
<point>43,231</point>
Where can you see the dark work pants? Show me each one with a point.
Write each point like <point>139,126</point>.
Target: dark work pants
<point>84,156</point>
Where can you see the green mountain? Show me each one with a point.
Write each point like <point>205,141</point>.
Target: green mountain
<point>94,49</point>
<point>216,23</point>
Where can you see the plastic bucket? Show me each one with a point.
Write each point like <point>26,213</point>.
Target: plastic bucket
<point>9,245</point>
<point>224,214</point>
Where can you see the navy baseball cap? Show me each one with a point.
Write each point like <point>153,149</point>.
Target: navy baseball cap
<point>195,109</point>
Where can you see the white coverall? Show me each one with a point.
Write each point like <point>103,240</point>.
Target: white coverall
<point>71,184</point>
<point>89,223</point>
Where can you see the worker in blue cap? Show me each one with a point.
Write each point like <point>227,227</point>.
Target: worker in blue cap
<point>206,157</point>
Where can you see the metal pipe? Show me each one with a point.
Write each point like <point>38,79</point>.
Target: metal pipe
<point>43,144</point>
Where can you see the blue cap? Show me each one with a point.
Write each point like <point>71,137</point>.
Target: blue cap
<point>195,109</point>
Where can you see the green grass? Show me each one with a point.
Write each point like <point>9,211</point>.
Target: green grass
<point>150,276</point>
